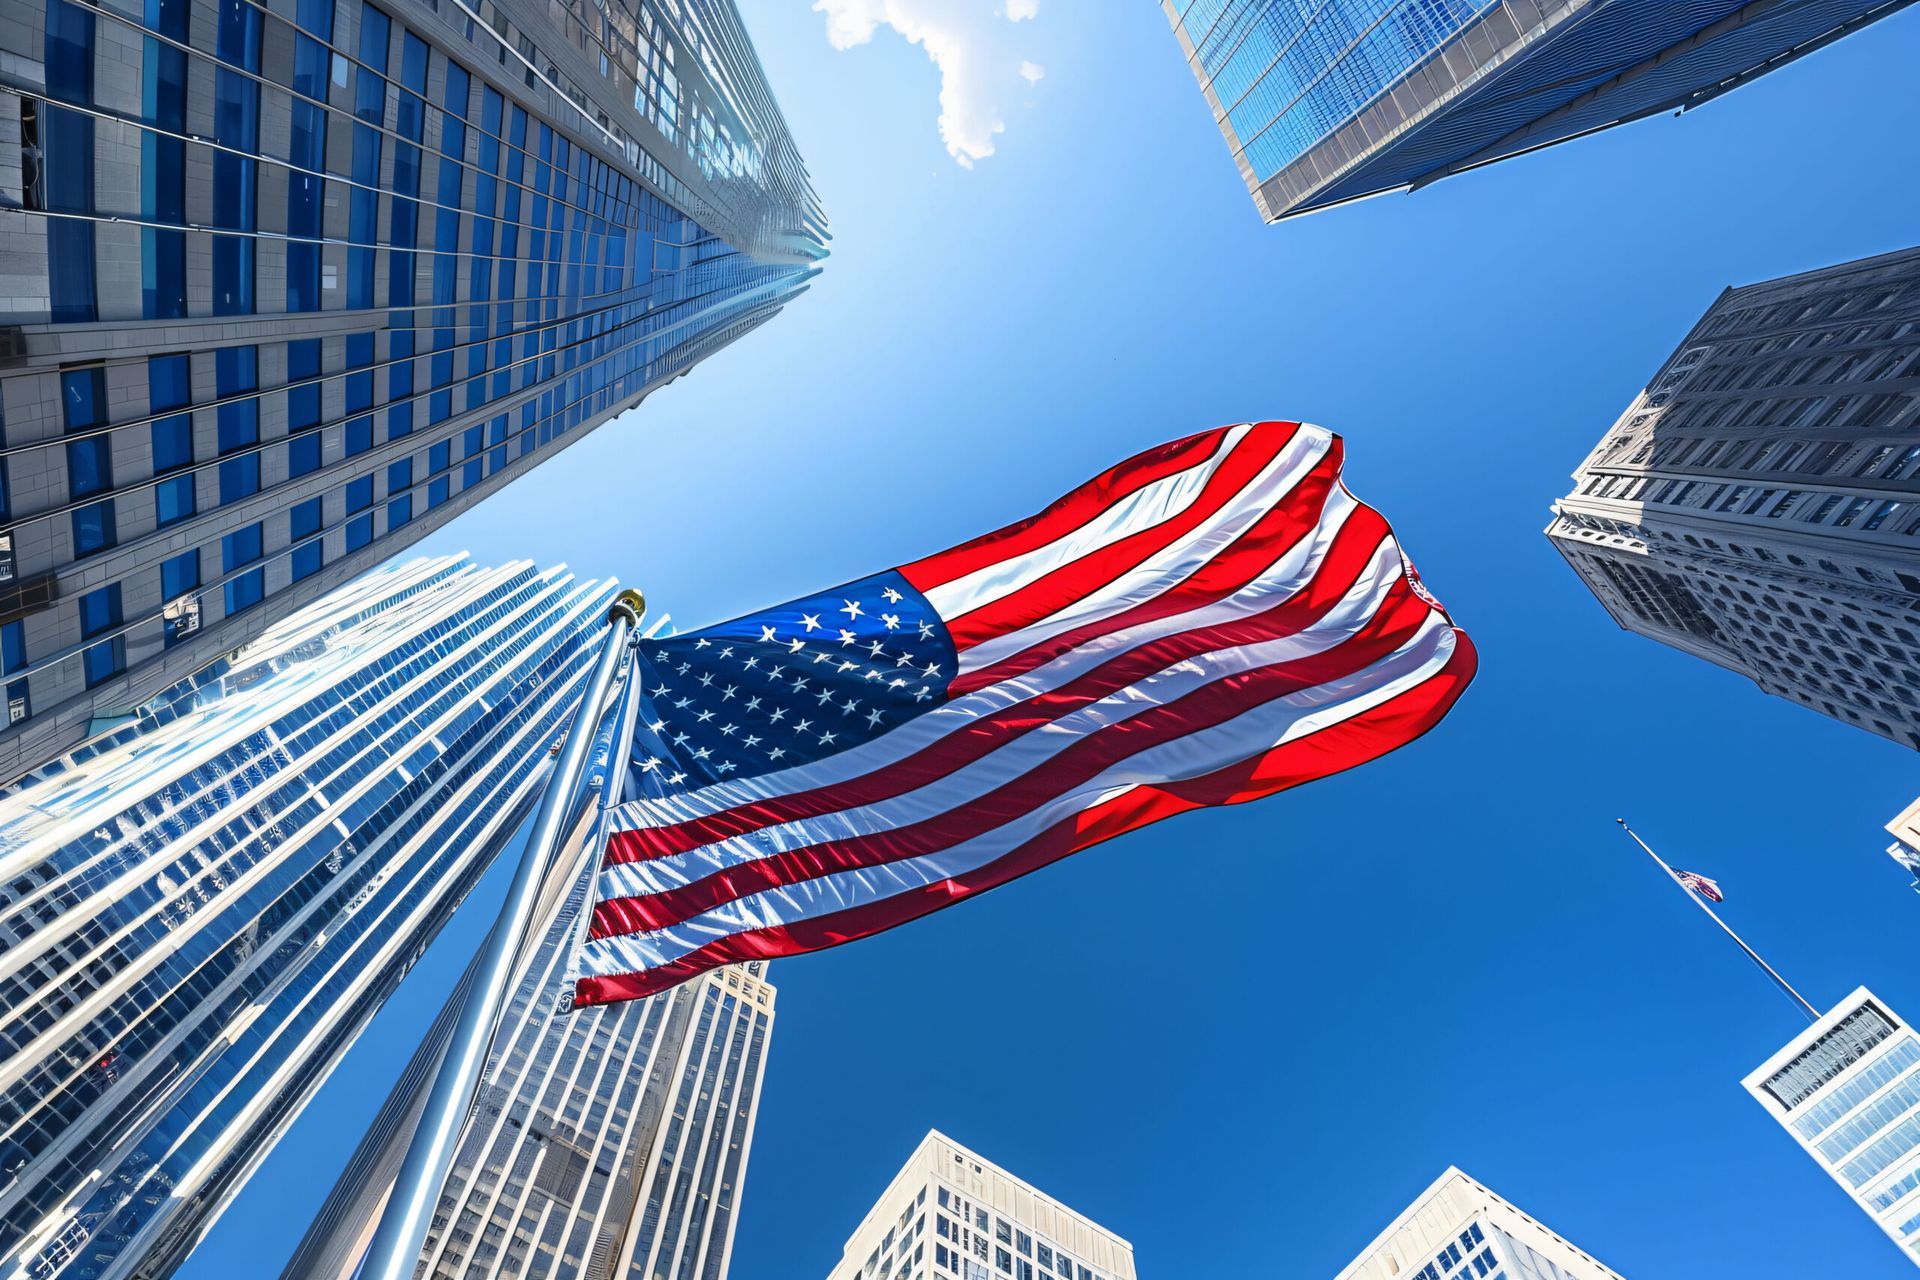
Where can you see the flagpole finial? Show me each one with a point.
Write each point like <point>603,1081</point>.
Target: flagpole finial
<point>630,602</point>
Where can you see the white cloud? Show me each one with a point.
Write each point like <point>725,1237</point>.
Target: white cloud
<point>976,70</point>
<point>1032,72</point>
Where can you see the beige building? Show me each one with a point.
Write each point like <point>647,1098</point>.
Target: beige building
<point>951,1214</point>
<point>1458,1228</point>
<point>1905,848</point>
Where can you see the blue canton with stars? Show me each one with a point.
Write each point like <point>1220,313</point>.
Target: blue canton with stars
<point>787,686</point>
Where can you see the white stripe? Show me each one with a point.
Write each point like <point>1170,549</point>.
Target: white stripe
<point>1145,507</point>
<point>1289,575</point>
<point>1257,731</point>
<point>1167,568</point>
<point>1017,757</point>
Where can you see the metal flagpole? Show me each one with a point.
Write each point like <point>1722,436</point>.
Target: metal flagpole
<point>1813,1014</point>
<point>395,1249</point>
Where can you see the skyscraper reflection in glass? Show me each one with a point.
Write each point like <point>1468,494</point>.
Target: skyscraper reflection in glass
<point>200,910</point>
<point>1329,102</point>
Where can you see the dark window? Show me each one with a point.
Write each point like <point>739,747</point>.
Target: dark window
<point>100,613</point>
<point>237,371</point>
<point>303,521</point>
<point>240,548</point>
<point>179,580</point>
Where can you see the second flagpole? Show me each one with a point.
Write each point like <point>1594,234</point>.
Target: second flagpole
<point>1813,1014</point>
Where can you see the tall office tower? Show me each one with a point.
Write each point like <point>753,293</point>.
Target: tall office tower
<point>951,1214</point>
<point>288,285</point>
<point>1847,1089</point>
<point>1329,102</point>
<point>200,910</point>
<point>1459,1230</point>
<point>1758,505</point>
<point>607,1144</point>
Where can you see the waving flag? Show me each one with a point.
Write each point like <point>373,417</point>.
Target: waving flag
<point>1212,621</point>
<point>1700,885</point>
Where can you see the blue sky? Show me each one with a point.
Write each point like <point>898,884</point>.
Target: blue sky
<point>1451,956</point>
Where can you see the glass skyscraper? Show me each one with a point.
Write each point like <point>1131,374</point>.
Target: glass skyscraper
<point>285,286</point>
<point>606,1144</point>
<point>1847,1089</point>
<point>1328,102</point>
<point>201,909</point>
<point>1758,503</point>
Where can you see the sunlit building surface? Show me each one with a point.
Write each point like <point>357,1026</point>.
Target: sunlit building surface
<point>284,287</point>
<point>950,1214</point>
<point>1328,102</point>
<point>1459,1230</point>
<point>200,910</point>
<point>1758,504</point>
<point>1847,1089</point>
<point>606,1144</point>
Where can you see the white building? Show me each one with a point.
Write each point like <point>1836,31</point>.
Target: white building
<point>1457,1228</point>
<point>1758,504</point>
<point>1848,1091</point>
<point>1905,848</point>
<point>951,1214</point>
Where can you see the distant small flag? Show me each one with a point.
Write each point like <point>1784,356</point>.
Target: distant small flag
<point>1700,885</point>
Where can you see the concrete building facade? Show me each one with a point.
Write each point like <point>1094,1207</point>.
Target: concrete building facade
<point>951,1214</point>
<point>1847,1089</point>
<point>1758,503</point>
<point>1459,1230</point>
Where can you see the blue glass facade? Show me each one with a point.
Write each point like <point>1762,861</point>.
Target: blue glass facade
<point>200,910</point>
<point>318,275</point>
<point>1323,103</point>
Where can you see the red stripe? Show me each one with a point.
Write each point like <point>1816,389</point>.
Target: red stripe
<point>1046,595</point>
<point>1352,551</point>
<point>1352,742</point>
<point>1242,561</point>
<point>1399,617</point>
<point>1065,515</point>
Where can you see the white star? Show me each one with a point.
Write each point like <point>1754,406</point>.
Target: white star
<point>726,694</point>
<point>847,637</point>
<point>821,657</point>
<point>876,648</point>
<point>903,660</point>
<point>800,682</point>
<point>926,631</point>
<point>825,738</point>
<point>800,726</point>
<point>893,597</point>
<point>681,704</point>
<point>811,621</point>
<point>873,716</point>
<point>702,753</point>
<point>727,766</point>
<point>851,608</point>
<point>727,652</point>
<point>848,666</point>
<point>752,663</point>
<point>796,645</point>
<point>706,679</point>
<point>753,704</point>
<point>751,740</point>
<point>776,673</point>
<point>851,706</point>
<point>892,620</point>
<point>650,764</point>
<point>684,667</point>
<point>896,683</point>
<point>826,696</point>
<point>676,778</point>
<point>702,643</point>
<point>933,669</point>
<point>872,675</point>
<point>705,716</point>
<point>776,753</point>
<point>779,714</point>
<point>766,634</point>
<point>729,730</point>
<point>661,690</point>
<point>921,694</point>
<point>679,739</point>
<point>661,655</point>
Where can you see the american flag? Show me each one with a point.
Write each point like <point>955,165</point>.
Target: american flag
<point>1700,885</point>
<point>1212,621</point>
